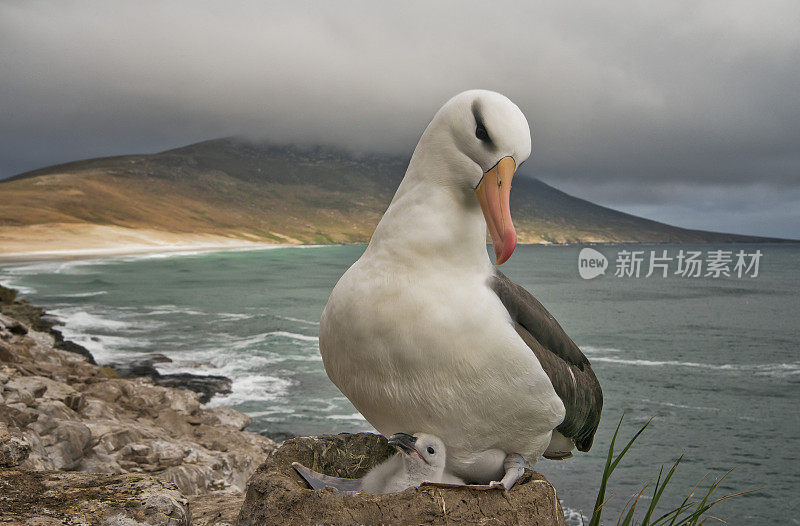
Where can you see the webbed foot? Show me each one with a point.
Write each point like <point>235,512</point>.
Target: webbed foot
<point>514,465</point>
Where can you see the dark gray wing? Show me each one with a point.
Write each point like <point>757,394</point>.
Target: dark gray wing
<point>565,365</point>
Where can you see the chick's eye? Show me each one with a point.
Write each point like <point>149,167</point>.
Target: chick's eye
<point>431,451</point>
<point>481,133</point>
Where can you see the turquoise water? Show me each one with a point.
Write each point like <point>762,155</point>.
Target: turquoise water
<point>715,360</point>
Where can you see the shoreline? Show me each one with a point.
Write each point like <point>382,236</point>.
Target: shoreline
<point>142,366</point>
<point>137,250</point>
<point>56,241</point>
<point>179,249</point>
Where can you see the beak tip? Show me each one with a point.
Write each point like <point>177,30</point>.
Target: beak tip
<point>499,257</point>
<point>504,250</point>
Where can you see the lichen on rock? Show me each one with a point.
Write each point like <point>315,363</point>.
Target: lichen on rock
<point>54,497</point>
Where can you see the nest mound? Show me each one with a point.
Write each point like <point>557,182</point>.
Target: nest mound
<point>276,494</point>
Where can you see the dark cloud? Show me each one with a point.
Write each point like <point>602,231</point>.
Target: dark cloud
<point>639,105</point>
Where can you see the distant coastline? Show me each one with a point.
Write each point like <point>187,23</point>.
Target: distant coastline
<point>66,241</point>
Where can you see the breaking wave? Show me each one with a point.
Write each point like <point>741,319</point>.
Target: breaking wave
<point>84,294</point>
<point>294,336</point>
<point>775,370</point>
<point>253,388</point>
<point>81,320</point>
<point>353,416</point>
<point>298,320</point>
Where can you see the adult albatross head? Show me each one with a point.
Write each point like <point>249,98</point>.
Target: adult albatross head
<point>493,133</point>
<point>473,146</point>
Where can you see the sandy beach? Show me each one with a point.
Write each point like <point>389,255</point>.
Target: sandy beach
<point>66,241</point>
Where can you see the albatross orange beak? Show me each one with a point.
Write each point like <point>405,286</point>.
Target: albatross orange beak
<point>494,192</point>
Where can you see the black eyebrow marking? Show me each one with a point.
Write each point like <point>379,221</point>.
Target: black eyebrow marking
<point>476,112</point>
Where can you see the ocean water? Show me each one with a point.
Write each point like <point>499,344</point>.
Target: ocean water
<point>715,360</point>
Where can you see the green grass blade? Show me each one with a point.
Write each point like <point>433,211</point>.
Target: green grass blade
<point>655,494</point>
<point>619,521</point>
<point>701,506</point>
<point>629,517</point>
<point>673,513</point>
<point>609,469</point>
<point>630,443</point>
<point>658,491</point>
<point>601,492</point>
<point>689,513</point>
<point>697,514</point>
<point>685,504</point>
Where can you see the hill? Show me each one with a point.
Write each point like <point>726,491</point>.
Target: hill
<point>278,194</point>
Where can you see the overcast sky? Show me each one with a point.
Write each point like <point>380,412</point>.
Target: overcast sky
<point>682,111</point>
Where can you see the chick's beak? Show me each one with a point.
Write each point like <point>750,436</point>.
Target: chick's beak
<point>494,192</point>
<point>407,444</point>
<point>403,442</point>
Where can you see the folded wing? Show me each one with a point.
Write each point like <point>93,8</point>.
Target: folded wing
<point>566,366</point>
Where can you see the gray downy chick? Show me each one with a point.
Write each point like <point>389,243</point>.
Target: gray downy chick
<point>421,458</point>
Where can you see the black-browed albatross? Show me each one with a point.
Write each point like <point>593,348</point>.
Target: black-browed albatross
<point>423,334</point>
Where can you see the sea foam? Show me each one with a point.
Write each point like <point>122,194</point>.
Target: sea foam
<point>253,388</point>
<point>75,319</point>
<point>294,336</point>
<point>774,370</point>
<point>85,294</point>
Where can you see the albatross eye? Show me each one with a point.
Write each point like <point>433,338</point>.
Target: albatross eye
<point>481,133</point>
<point>431,451</point>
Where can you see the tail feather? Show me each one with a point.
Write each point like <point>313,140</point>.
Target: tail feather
<point>557,455</point>
<point>560,447</point>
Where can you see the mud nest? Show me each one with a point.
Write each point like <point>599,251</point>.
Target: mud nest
<point>276,494</point>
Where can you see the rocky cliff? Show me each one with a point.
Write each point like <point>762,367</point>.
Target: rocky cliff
<point>59,413</point>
